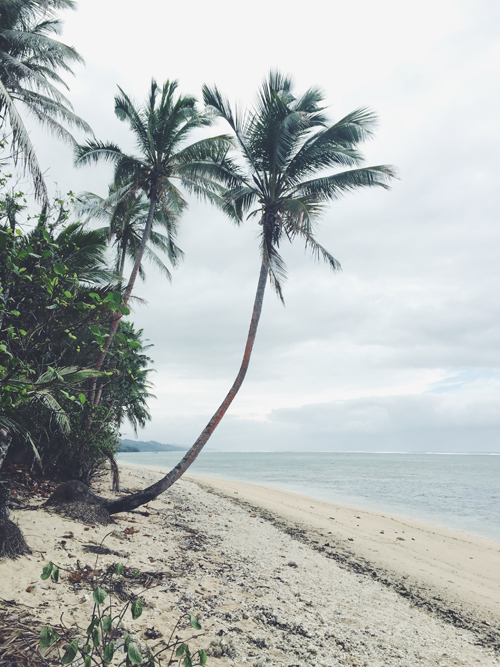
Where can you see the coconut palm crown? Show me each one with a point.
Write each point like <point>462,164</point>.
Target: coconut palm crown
<point>126,220</point>
<point>287,151</point>
<point>30,62</point>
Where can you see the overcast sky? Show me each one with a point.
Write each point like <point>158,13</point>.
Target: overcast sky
<point>399,351</point>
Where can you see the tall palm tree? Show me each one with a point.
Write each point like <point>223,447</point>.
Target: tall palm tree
<point>287,150</point>
<point>30,59</point>
<point>161,127</point>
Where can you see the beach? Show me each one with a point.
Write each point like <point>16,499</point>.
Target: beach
<point>277,578</point>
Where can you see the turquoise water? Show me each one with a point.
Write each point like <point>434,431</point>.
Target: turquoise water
<point>452,490</point>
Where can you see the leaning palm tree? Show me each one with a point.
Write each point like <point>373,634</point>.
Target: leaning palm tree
<point>284,179</point>
<point>165,161</point>
<point>30,59</point>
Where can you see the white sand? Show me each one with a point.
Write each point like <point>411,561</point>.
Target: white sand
<point>277,581</point>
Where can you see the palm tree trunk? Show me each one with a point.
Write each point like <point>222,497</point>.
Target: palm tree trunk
<point>153,196</point>
<point>122,259</point>
<point>136,499</point>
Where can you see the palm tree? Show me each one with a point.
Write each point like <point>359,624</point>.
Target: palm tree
<point>126,218</point>
<point>161,128</point>
<point>287,150</point>
<point>30,59</point>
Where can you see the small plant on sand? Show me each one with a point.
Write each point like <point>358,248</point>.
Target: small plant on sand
<point>107,641</point>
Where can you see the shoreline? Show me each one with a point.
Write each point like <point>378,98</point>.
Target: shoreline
<point>461,568</point>
<point>452,513</point>
<point>270,585</point>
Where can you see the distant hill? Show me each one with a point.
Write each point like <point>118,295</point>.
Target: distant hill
<point>151,446</point>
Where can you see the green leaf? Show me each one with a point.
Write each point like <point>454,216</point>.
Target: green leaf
<point>47,569</point>
<point>181,650</point>
<point>194,622</point>
<point>88,661</point>
<point>137,609</point>
<point>134,654</point>
<point>60,269</point>
<point>93,623</point>
<point>126,640</point>
<point>136,574</point>
<point>99,595</point>
<point>107,623</point>
<point>96,637</point>
<point>187,662</point>
<point>71,653</point>
<point>48,637</point>
<point>134,344</point>
<point>119,569</point>
<point>81,398</point>
<point>109,652</point>
<point>203,657</point>
<point>86,648</point>
<point>15,312</point>
<point>125,310</point>
<point>55,574</point>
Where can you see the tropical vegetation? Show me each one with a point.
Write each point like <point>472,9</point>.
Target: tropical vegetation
<point>31,62</point>
<point>282,176</point>
<point>72,368</point>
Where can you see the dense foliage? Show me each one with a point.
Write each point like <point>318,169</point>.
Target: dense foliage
<point>56,298</point>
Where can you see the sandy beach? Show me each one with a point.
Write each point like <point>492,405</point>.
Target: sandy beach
<point>277,578</point>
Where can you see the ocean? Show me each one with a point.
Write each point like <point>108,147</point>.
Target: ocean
<point>460,491</point>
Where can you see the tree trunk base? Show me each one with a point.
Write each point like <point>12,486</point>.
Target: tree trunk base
<point>76,501</point>
<point>12,542</point>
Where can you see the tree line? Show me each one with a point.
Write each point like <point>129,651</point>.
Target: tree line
<point>72,366</point>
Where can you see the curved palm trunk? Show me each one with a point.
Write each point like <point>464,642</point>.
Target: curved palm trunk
<point>93,398</point>
<point>136,499</point>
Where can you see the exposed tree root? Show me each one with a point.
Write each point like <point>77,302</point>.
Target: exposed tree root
<point>76,501</point>
<point>12,542</point>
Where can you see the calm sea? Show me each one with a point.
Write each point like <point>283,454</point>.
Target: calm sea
<point>460,491</point>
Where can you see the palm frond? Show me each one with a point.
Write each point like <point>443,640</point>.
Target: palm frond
<point>92,151</point>
<point>335,186</point>
<point>21,142</point>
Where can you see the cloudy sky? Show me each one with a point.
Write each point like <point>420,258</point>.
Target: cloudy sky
<point>399,351</point>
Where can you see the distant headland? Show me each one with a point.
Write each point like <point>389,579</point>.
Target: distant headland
<point>150,446</point>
